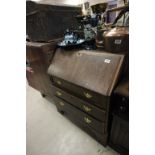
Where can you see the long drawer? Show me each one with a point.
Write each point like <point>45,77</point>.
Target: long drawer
<point>82,105</point>
<point>87,95</point>
<point>81,116</point>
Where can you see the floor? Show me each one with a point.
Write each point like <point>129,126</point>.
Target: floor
<point>49,133</point>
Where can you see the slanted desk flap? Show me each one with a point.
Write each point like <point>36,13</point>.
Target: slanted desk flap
<point>93,70</point>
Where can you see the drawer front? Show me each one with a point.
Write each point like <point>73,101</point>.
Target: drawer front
<point>87,95</point>
<point>120,106</point>
<point>81,116</point>
<point>82,105</point>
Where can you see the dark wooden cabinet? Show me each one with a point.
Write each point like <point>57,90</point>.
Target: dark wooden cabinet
<point>45,21</point>
<point>82,83</point>
<point>119,135</point>
<point>38,58</point>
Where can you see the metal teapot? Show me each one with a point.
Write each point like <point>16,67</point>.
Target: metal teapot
<point>116,40</point>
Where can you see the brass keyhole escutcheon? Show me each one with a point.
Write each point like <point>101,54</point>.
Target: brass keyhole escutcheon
<point>59,82</point>
<point>87,95</point>
<point>87,120</point>
<point>87,109</point>
<point>59,93</point>
<point>61,103</point>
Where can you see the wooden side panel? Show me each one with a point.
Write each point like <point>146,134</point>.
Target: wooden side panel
<point>35,62</point>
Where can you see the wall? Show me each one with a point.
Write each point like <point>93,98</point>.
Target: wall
<point>93,2</point>
<point>70,2</point>
<point>76,2</point>
<point>120,3</point>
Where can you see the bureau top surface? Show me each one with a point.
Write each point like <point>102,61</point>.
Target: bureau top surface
<point>93,70</point>
<point>37,44</point>
<point>40,44</point>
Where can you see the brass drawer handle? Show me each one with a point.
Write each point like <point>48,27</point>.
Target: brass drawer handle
<point>61,103</point>
<point>87,95</point>
<point>87,120</point>
<point>58,82</point>
<point>58,93</point>
<point>86,108</point>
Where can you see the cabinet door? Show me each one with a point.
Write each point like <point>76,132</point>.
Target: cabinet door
<point>38,59</point>
<point>35,62</point>
<point>119,138</point>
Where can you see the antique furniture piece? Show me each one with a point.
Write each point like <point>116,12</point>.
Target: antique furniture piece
<point>88,86</point>
<point>45,22</point>
<point>119,137</point>
<point>38,57</point>
<point>82,82</point>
